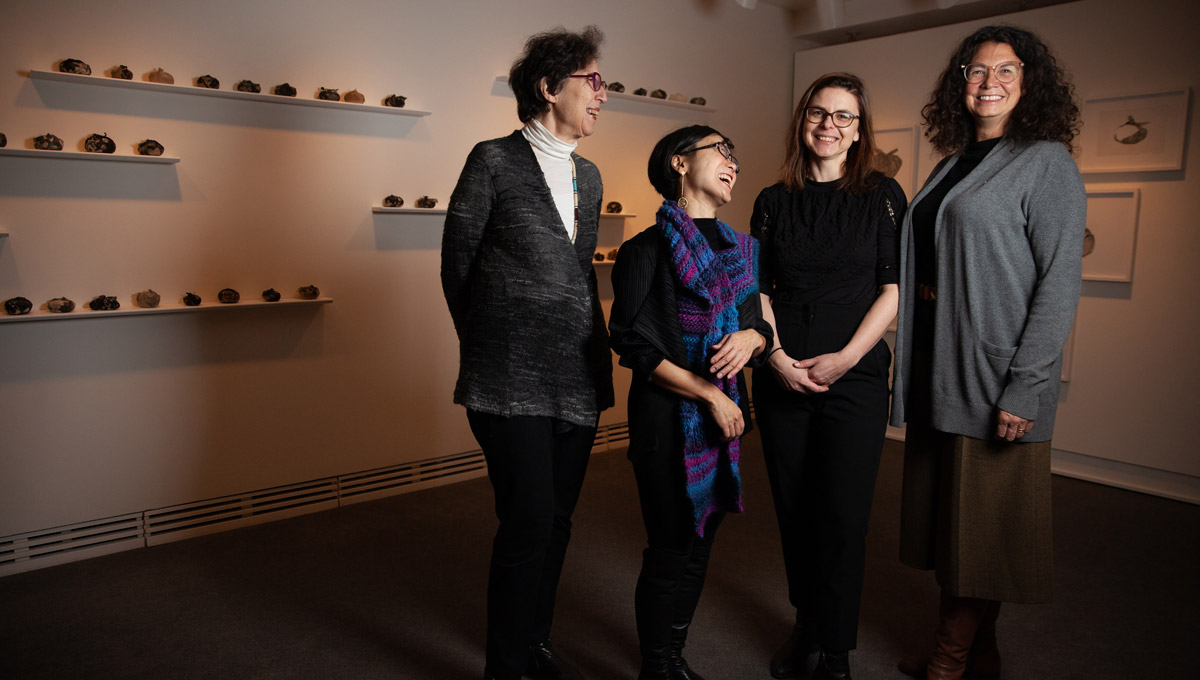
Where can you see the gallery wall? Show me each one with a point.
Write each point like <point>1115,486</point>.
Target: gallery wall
<point>1127,414</point>
<point>115,415</point>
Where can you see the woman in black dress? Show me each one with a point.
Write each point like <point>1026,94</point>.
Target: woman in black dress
<point>829,283</point>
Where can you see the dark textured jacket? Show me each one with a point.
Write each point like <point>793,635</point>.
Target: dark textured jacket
<point>532,340</point>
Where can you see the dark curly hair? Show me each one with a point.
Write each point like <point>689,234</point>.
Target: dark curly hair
<point>859,158</point>
<point>664,177</point>
<point>1046,110</point>
<point>552,55</point>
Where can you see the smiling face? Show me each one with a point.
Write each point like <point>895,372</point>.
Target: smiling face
<point>992,102</point>
<point>706,177</point>
<point>575,109</point>
<point>828,143</point>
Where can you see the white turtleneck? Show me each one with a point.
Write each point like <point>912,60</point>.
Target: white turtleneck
<point>554,157</point>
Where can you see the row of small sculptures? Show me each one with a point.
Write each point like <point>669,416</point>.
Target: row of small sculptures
<point>394,201</point>
<point>147,299</point>
<point>660,94</point>
<point>158,75</point>
<point>96,143</point>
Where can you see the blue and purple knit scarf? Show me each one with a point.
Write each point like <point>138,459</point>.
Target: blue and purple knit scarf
<point>710,286</point>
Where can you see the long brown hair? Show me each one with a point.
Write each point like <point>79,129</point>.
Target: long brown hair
<point>859,176</point>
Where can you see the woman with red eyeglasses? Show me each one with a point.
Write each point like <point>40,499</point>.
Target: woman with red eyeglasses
<point>828,277</point>
<point>534,366</point>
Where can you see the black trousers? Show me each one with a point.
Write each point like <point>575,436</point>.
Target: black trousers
<point>536,466</point>
<point>822,454</point>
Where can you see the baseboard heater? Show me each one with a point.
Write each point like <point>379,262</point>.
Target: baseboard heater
<point>83,540</point>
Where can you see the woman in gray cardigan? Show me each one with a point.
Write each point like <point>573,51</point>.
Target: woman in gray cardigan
<point>991,254</point>
<point>535,370</point>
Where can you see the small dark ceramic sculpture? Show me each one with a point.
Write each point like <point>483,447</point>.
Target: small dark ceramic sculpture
<point>354,97</point>
<point>17,306</point>
<point>426,202</point>
<point>612,207</point>
<point>599,256</point>
<point>160,76</point>
<point>271,295</point>
<point>616,87</point>
<point>699,101</point>
<point>612,255</point>
<point>641,92</point>
<point>395,101</point>
<point>658,94</point>
<point>208,82</point>
<point>147,298</point>
<point>3,140</point>
<point>248,86</point>
<point>393,201</point>
<point>191,299</point>
<point>150,147</point>
<point>74,66</point>
<point>60,305</point>
<point>228,296</point>
<point>104,303</point>
<point>99,144</point>
<point>122,72</point>
<point>309,292</point>
<point>285,90</point>
<point>329,94</point>
<point>47,142</point>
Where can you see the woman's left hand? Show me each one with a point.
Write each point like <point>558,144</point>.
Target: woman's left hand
<point>733,351</point>
<point>825,369</point>
<point>1011,427</point>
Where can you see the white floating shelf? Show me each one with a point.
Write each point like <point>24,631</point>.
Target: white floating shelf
<point>83,312</point>
<point>409,211</point>
<point>645,99</point>
<point>85,156</point>
<point>224,94</point>
<point>617,215</point>
<point>600,263</point>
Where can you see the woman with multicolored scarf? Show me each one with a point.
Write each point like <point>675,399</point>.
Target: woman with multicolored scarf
<point>686,317</point>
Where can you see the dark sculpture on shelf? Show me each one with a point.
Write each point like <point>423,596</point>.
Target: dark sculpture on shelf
<point>354,97</point>
<point>641,92</point>
<point>395,101</point>
<point>121,72</point>
<point>612,207</point>
<point>248,86</point>
<point>60,305</point>
<point>104,303</point>
<point>98,143</point>
<point>426,202</point>
<point>228,296</point>
<point>47,142</point>
<point>699,101</point>
<point>599,256</point>
<point>658,94</point>
<point>271,295</point>
<point>3,140</point>
<point>309,292</point>
<point>285,90</point>
<point>75,66</point>
<point>17,306</point>
<point>208,82</point>
<point>329,94</point>
<point>150,147</point>
<point>147,298</point>
<point>191,299</point>
<point>160,76</point>
<point>616,87</point>
<point>393,201</point>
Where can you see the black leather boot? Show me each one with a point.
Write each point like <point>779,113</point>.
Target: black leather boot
<point>677,667</point>
<point>832,666</point>
<point>546,664</point>
<point>798,656</point>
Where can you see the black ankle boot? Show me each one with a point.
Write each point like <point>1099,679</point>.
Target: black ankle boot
<point>797,657</point>
<point>546,664</point>
<point>833,666</point>
<point>677,667</point>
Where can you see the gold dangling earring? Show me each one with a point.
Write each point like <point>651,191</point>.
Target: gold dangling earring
<point>682,203</point>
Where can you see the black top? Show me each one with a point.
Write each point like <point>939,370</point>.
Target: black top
<point>926,210</point>
<point>825,246</point>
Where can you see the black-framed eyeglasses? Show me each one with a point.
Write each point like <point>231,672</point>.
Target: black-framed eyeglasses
<point>1005,73</point>
<point>722,148</point>
<point>817,115</point>
<point>593,79</point>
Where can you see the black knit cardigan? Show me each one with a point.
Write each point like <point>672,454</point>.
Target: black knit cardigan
<point>531,333</point>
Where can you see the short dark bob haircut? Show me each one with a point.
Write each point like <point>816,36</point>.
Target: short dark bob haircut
<point>552,55</point>
<point>858,177</point>
<point>1047,110</point>
<point>664,177</point>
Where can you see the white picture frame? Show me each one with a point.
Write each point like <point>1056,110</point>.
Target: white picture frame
<point>898,144</point>
<point>1111,239</point>
<point>1134,133</point>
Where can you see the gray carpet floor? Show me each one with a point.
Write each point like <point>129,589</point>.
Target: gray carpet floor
<point>395,589</point>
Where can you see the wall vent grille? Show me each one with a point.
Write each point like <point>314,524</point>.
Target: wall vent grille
<point>37,549</point>
<point>373,484</point>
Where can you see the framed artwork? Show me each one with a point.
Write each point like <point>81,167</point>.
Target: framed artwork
<point>1111,238</point>
<point>897,157</point>
<point>1134,133</point>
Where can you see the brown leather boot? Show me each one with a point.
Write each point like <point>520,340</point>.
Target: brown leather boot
<point>960,618</point>
<point>983,661</point>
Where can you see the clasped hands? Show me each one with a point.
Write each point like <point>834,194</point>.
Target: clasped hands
<point>809,376</point>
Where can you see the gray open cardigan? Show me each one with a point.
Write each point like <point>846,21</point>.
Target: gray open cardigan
<point>1009,240</point>
<point>531,332</point>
